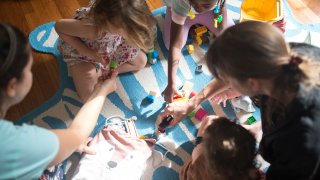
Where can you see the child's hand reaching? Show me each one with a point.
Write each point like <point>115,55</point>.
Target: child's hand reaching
<point>169,93</point>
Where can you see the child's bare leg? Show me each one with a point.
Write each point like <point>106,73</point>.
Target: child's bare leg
<point>84,78</point>
<point>138,63</point>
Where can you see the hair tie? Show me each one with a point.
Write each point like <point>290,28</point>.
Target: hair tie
<point>295,61</point>
<point>12,50</point>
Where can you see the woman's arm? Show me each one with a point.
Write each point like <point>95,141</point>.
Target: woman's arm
<point>180,110</point>
<point>213,88</point>
<point>84,122</point>
<point>71,30</point>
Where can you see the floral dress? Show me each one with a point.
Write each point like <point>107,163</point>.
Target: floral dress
<point>110,47</point>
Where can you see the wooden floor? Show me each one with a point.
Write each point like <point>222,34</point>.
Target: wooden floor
<point>28,14</point>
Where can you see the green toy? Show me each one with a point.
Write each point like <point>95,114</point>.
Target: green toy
<point>251,120</point>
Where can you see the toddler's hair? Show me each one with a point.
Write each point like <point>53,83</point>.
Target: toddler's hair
<point>132,16</point>
<point>229,150</point>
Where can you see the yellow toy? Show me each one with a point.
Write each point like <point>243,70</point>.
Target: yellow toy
<point>198,40</point>
<point>215,21</point>
<point>191,15</point>
<point>261,10</point>
<point>200,30</point>
<point>190,48</point>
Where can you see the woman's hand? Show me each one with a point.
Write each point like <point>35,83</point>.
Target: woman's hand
<point>107,85</point>
<point>179,110</point>
<point>224,96</point>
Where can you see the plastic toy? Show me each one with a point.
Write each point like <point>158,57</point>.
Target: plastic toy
<point>215,21</point>
<point>112,66</point>
<point>216,10</point>
<point>185,89</point>
<point>200,114</point>
<point>191,15</point>
<point>200,30</point>
<point>217,13</point>
<point>220,18</point>
<point>165,123</point>
<point>261,10</point>
<point>251,120</point>
<point>190,48</point>
<point>151,96</point>
<point>199,68</point>
<point>191,114</point>
<point>152,56</point>
<point>192,94</point>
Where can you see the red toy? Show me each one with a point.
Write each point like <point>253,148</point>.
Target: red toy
<point>200,114</point>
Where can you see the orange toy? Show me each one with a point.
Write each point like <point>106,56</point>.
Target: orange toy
<point>261,10</point>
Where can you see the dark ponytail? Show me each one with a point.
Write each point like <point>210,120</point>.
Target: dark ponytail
<point>14,53</point>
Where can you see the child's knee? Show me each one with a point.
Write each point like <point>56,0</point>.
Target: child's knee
<point>141,60</point>
<point>84,94</point>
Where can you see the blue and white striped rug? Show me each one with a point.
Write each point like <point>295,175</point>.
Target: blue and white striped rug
<point>129,99</point>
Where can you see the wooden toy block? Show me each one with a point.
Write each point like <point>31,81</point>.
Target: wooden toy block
<point>200,114</point>
<point>190,48</point>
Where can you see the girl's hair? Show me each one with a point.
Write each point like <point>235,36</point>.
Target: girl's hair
<point>133,16</point>
<point>258,50</point>
<point>229,150</point>
<point>14,54</point>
